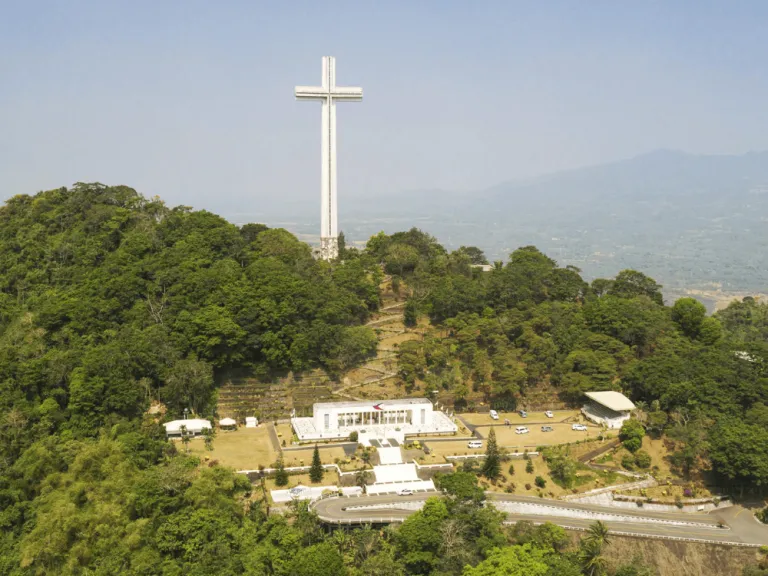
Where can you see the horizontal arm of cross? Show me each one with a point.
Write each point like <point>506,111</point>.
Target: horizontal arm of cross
<point>320,93</point>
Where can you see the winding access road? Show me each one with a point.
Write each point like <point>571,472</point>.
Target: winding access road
<point>739,525</point>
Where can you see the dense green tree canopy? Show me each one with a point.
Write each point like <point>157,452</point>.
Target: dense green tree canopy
<point>109,301</point>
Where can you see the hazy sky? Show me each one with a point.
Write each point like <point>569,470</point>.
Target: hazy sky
<point>194,100</point>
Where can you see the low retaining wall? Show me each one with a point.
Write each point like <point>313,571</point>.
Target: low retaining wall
<point>293,469</point>
<point>645,483</point>
<point>512,455</point>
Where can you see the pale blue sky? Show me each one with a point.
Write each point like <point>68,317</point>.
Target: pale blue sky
<point>194,100</point>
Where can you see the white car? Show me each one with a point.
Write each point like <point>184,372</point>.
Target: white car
<point>405,492</point>
<point>549,414</point>
<point>474,444</point>
<point>579,427</point>
<point>494,415</point>
<point>521,430</point>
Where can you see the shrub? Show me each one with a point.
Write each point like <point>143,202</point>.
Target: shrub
<point>631,435</point>
<point>529,467</point>
<point>527,486</point>
<point>281,475</point>
<point>540,482</point>
<point>643,459</point>
<point>639,503</point>
<point>678,502</point>
<point>628,461</point>
<point>511,469</point>
<point>353,436</point>
<point>687,492</point>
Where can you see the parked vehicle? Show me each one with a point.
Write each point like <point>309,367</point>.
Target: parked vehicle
<point>523,414</point>
<point>547,429</point>
<point>404,492</point>
<point>474,444</point>
<point>579,427</point>
<point>549,414</point>
<point>521,430</point>
<point>494,415</point>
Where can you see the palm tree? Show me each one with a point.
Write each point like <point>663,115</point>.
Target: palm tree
<point>184,437</point>
<point>360,479</point>
<point>598,533</point>
<point>342,541</point>
<point>591,557</point>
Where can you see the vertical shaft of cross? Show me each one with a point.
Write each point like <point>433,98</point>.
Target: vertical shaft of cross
<point>328,93</point>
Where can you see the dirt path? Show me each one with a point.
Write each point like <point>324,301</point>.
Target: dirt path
<point>388,313</point>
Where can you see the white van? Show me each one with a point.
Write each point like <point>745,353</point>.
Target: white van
<point>494,415</point>
<point>474,444</point>
<point>521,430</point>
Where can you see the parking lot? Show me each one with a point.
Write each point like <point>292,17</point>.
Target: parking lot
<point>484,418</point>
<point>561,434</point>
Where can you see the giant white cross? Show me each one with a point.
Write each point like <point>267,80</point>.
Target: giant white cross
<point>328,94</point>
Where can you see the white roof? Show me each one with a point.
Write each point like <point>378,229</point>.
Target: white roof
<point>227,422</point>
<point>192,424</point>
<point>615,401</point>
<point>371,404</point>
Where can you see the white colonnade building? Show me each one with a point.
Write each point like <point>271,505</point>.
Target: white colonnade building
<point>334,420</point>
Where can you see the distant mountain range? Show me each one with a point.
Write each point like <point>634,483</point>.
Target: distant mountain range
<point>691,221</point>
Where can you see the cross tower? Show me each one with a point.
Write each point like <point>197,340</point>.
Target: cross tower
<point>328,94</point>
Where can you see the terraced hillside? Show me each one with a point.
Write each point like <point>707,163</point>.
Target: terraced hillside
<point>242,395</point>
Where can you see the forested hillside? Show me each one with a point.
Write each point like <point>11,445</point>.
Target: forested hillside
<point>700,381</point>
<point>110,301</point>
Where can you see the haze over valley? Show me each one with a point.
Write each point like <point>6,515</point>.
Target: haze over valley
<point>694,222</point>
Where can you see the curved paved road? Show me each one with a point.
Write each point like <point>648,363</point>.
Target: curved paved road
<point>741,527</point>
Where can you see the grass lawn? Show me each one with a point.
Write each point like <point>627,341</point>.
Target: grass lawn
<point>304,457</point>
<point>586,479</point>
<point>242,449</point>
<point>284,432</point>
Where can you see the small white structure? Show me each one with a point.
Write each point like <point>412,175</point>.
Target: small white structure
<point>392,478</point>
<point>251,422</point>
<point>227,423</point>
<point>609,408</point>
<point>336,420</point>
<point>194,426</point>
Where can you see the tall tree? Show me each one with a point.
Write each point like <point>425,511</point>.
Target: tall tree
<point>316,470</point>
<point>492,463</point>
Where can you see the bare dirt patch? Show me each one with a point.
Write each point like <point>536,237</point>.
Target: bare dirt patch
<point>397,339</point>
<point>672,558</point>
